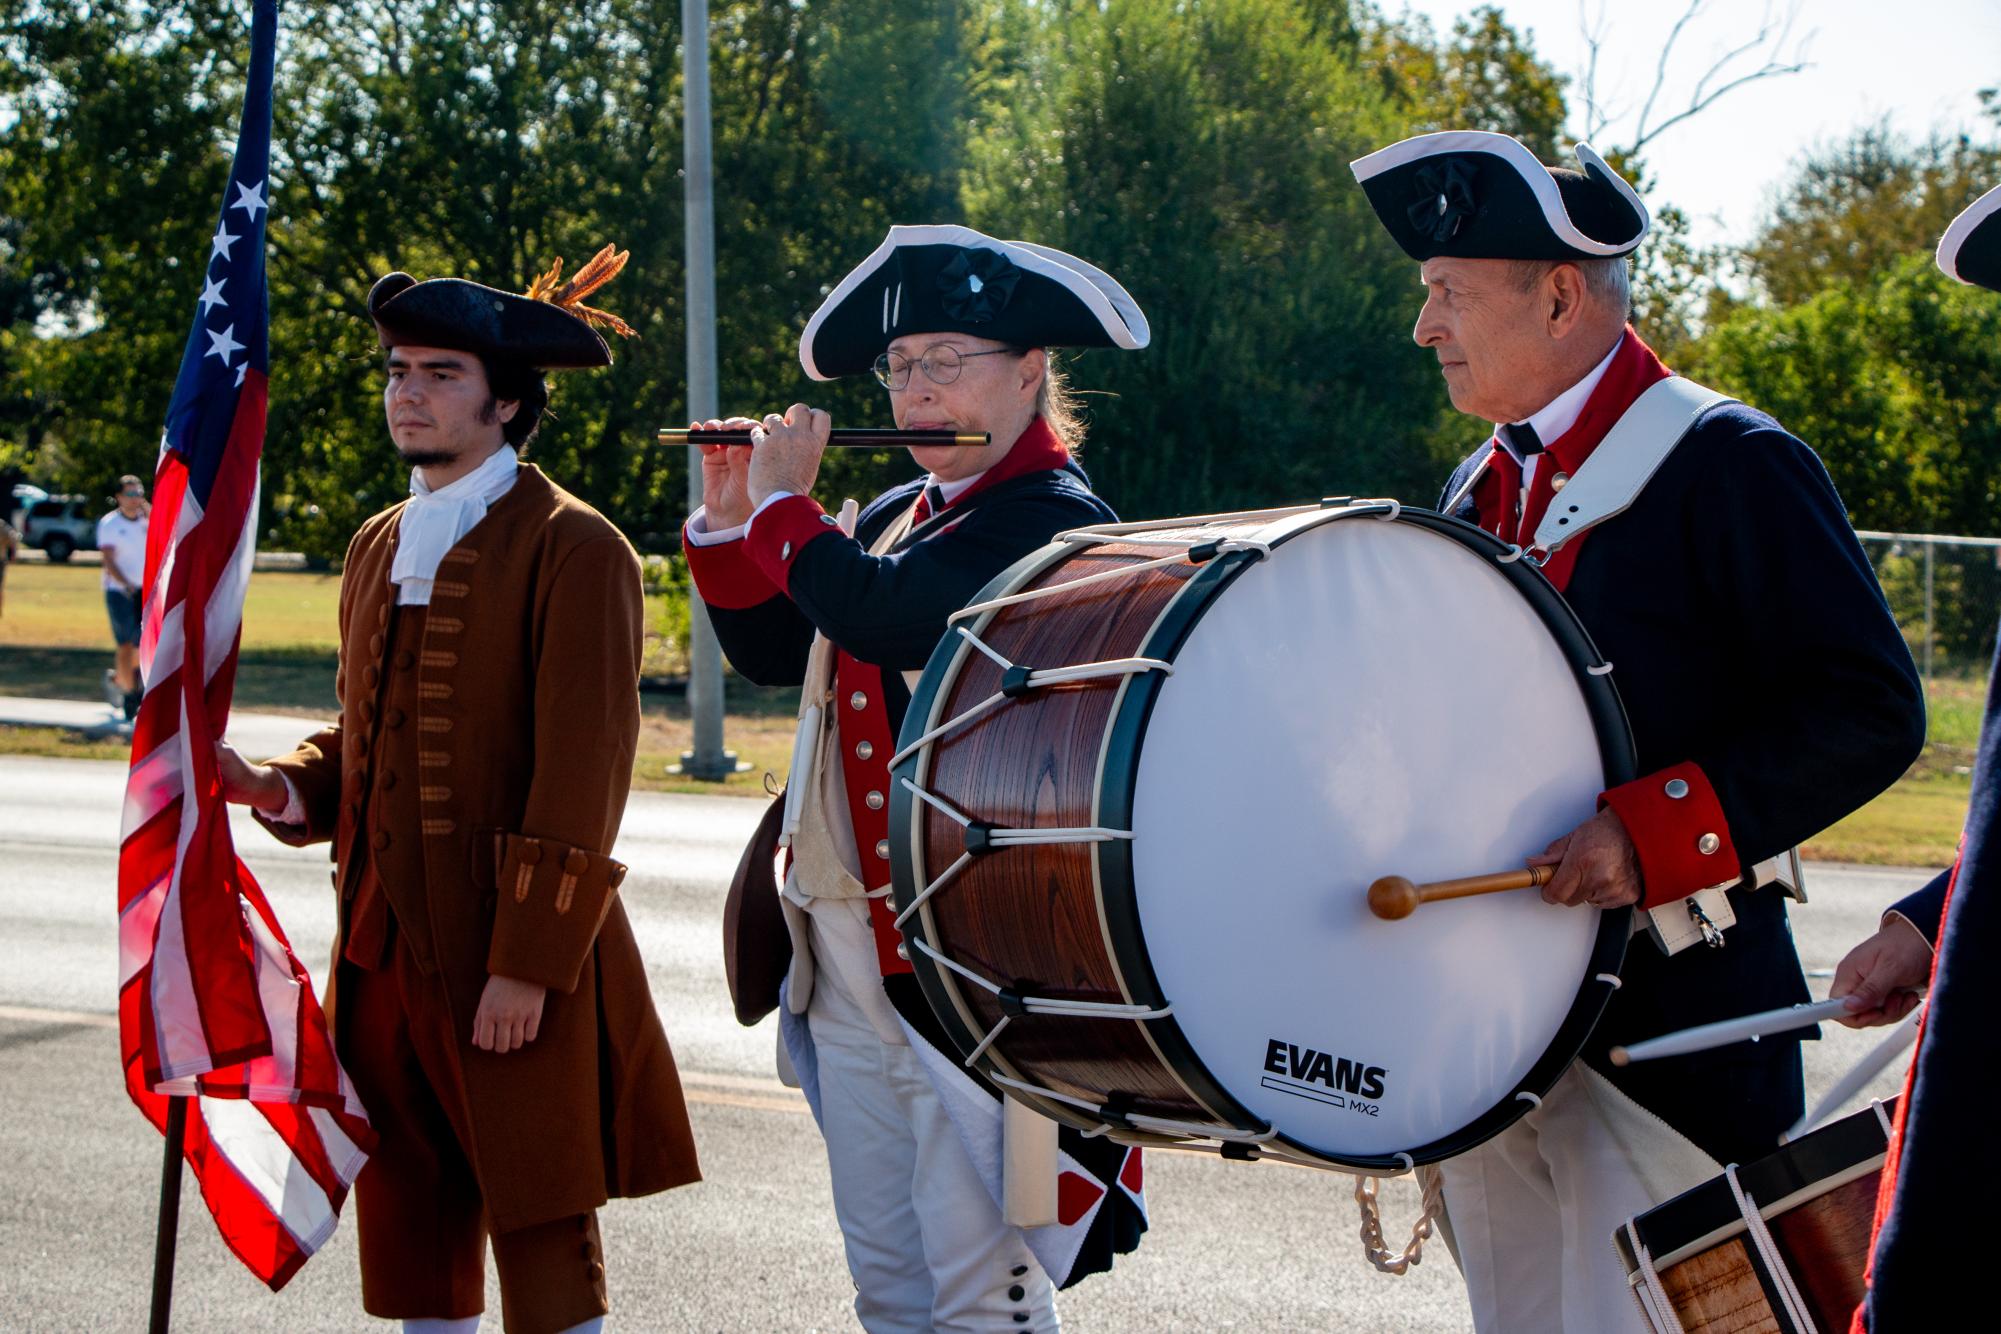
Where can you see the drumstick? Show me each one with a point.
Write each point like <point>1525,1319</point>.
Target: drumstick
<point>1726,1031</point>
<point>1866,1069</point>
<point>852,439</point>
<point>1394,897</point>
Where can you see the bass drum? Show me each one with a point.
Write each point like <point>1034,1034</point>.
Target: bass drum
<point>1145,782</point>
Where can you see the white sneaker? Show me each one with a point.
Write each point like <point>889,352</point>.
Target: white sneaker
<point>113,695</point>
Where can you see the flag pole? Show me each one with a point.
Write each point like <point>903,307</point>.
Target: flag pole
<point>170,1217</point>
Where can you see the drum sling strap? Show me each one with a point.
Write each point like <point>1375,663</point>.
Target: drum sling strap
<point>1604,486</point>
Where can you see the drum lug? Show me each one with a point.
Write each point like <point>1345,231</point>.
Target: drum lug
<point>980,837</point>
<point>1117,1108</point>
<point>1204,552</point>
<point>1014,682</point>
<point>1013,1002</point>
<point>1238,1153</point>
<point>1336,502</point>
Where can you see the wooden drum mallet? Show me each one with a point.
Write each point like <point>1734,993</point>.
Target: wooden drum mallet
<point>1393,896</point>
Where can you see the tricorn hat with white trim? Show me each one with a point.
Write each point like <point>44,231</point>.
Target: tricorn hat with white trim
<point>950,279</point>
<point>1970,250</point>
<point>1471,194</point>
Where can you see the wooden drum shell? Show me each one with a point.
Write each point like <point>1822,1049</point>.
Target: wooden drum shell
<point>1038,762</point>
<point>1818,1198</point>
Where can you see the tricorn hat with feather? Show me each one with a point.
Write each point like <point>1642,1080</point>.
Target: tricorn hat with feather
<point>546,328</point>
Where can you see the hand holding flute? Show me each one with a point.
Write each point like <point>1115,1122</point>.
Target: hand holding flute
<point>736,479</point>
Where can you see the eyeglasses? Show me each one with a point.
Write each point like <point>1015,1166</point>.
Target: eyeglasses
<point>941,364</point>
<point>135,492</point>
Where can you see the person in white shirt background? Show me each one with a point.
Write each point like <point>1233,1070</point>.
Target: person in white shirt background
<point>121,540</point>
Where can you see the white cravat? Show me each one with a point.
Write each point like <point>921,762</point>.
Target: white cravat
<point>1556,417</point>
<point>434,521</point>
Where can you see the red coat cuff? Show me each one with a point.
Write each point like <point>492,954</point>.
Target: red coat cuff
<point>725,576</point>
<point>1677,825</point>
<point>781,532</point>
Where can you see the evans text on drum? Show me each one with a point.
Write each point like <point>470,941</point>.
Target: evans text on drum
<point>1146,780</point>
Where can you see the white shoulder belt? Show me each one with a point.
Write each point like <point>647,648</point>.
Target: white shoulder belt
<point>1607,482</point>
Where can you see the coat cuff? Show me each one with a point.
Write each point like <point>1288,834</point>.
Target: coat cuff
<point>1676,823</point>
<point>552,899</point>
<point>725,576</point>
<point>314,800</point>
<point>781,531</point>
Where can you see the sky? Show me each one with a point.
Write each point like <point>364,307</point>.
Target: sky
<point>1920,62</point>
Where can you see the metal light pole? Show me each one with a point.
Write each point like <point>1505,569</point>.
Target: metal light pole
<point>708,760</point>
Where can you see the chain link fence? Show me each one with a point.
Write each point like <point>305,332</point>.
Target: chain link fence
<point>1946,595</point>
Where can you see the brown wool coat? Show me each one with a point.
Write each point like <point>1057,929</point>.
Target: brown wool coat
<point>527,722</point>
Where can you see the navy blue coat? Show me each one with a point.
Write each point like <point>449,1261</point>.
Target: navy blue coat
<point>891,610</point>
<point>1930,1247</point>
<point>888,612</point>
<point>1748,635</point>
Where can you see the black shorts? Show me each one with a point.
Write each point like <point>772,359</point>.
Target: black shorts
<point>124,609</point>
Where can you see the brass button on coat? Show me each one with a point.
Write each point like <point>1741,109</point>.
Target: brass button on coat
<point>874,800</point>
<point>381,839</point>
<point>858,700</point>
<point>405,659</point>
<point>863,750</point>
<point>1708,844</point>
<point>882,849</point>
<point>531,853</point>
<point>576,863</point>
<point>1676,788</point>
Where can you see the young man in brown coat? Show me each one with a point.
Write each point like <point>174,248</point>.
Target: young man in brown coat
<point>490,1003</point>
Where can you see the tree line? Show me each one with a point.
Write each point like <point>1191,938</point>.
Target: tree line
<point>1197,150</point>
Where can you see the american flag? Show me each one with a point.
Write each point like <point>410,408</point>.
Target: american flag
<point>212,1004</point>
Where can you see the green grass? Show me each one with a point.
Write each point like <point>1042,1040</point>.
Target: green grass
<point>61,743</point>
<point>62,606</point>
<point>54,643</point>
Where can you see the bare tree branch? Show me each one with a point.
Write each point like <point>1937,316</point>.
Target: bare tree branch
<point>1661,69</point>
<point>1773,37</point>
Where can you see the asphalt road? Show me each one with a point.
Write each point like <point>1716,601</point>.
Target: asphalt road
<point>754,1247</point>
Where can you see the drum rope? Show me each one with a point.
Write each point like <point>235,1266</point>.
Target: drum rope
<point>1120,530</point>
<point>965,860</point>
<point>1226,547</point>
<point>1036,679</point>
<point>1071,1009</point>
<point>1431,1186</point>
<point>1020,838</point>
<point>1768,1251</point>
<point>1661,1309</point>
<point>1139,1120</point>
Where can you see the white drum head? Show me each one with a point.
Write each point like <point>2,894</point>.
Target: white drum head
<point>1373,699</point>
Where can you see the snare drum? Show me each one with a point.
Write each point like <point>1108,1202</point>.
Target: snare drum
<point>1145,782</point>
<point>1780,1249</point>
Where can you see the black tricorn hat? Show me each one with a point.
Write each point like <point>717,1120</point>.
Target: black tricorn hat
<point>548,328</point>
<point>1970,250</point>
<point>949,279</point>
<point>1472,194</point>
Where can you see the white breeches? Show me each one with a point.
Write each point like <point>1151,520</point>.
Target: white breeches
<point>925,1241</point>
<point>1532,1211</point>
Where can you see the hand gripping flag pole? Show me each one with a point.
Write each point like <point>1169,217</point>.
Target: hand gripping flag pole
<point>224,1045</point>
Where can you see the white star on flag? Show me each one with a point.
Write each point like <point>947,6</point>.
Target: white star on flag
<point>223,344</point>
<point>242,371</point>
<point>211,296</point>
<point>219,244</point>
<point>250,198</point>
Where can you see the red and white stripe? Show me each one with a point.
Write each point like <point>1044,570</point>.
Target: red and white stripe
<point>213,1004</point>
